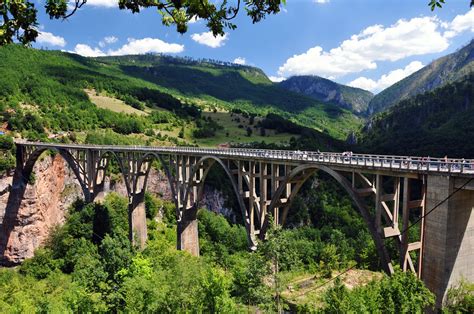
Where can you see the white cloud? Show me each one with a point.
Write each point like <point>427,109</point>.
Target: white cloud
<point>208,39</point>
<point>103,3</point>
<point>88,51</point>
<point>194,19</point>
<point>276,79</point>
<point>146,45</point>
<point>386,80</point>
<point>107,41</point>
<point>321,1</point>
<point>405,38</point>
<point>240,60</point>
<point>133,47</point>
<point>375,43</point>
<point>50,39</point>
<point>460,24</point>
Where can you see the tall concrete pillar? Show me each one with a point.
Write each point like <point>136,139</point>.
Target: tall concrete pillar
<point>137,224</point>
<point>188,235</point>
<point>448,236</point>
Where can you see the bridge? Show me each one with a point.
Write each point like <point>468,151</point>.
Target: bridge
<point>388,191</point>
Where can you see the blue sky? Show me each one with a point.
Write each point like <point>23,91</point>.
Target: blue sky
<point>365,43</point>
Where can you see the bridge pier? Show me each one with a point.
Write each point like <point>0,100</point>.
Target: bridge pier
<point>188,235</point>
<point>448,254</point>
<point>137,228</point>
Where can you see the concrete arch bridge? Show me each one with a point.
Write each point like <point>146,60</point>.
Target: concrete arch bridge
<point>266,181</point>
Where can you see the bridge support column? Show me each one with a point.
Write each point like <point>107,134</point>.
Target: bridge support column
<point>137,222</point>
<point>188,235</point>
<point>448,253</point>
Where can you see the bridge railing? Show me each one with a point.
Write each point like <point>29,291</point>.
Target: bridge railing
<point>409,163</point>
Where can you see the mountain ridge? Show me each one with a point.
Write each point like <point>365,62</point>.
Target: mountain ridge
<point>444,70</point>
<point>325,90</point>
<point>435,123</point>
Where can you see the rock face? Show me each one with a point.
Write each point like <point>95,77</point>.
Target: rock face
<point>354,99</point>
<point>44,206</point>
<point>55,188</point>
<point>215,201</point>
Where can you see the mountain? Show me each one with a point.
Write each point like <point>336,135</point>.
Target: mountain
<point>442,71</point>
<point>354,99</point>
<point>233,87</point>
<point>174,100</point>
<point>437,123</point>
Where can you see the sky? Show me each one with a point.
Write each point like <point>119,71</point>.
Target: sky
<point>369,44</point>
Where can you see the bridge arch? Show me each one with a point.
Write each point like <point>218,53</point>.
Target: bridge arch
<point>75,166</point>
<point>105,158</point>
<point>149,157</point>
<point>215,160</point>
<point>347,186</point>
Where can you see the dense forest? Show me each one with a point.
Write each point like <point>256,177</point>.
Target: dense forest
<point>431,124</point>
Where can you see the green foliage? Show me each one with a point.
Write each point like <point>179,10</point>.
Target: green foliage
<point>6,142</point>
<point>460,298</point>
<point>400,293</point>
<point>7,151</point>
<point>219,239</point>
<point>433,124</point>
<point>42,265</point>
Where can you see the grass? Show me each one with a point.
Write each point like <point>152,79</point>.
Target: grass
<point>232,133</point>
<point>307,288</point>
<point>110,103</point>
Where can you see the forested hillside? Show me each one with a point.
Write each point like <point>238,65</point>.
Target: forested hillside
<point>354,99</point>
<point>89,266</point>
<point>442,71</point>
<point>48,87</point>
<point>436,123</point>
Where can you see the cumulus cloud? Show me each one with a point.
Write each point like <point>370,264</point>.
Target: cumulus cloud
<point>240,60</point>
<point>88,51</point>
<point>460,24</point>
<point>321,1</point>
<point>50,39</point>
<point>108,40</point>
<point>146,45</point>
<point>208,39</point>
<point>386,80</point>
<point>276,79</point>
<point>405,38</point>
<point>375,43</point>
<point>133,47</point>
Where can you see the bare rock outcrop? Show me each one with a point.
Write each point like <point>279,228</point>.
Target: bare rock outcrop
<point>44,206</point>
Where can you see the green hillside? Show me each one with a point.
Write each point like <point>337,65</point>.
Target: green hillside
<point>232,86</point>
<point>442,71</point>
<point>324,90</point>
<point>436,123</point>
<point>45,92</point>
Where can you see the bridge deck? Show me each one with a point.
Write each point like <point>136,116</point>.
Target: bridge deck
<point>344,161</point>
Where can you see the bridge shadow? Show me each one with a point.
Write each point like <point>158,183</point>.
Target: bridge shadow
<point>10,218</point>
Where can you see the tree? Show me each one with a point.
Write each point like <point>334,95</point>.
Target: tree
<point>249,131</point>
<point>18,17</point>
